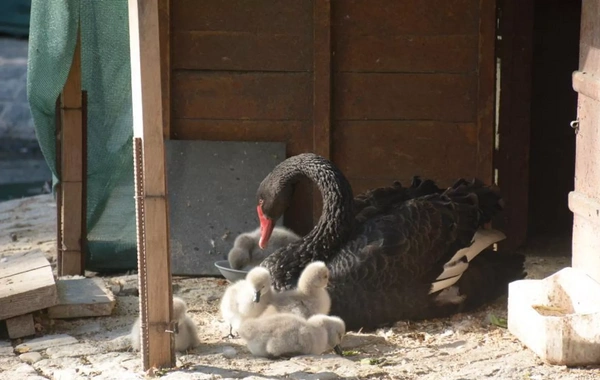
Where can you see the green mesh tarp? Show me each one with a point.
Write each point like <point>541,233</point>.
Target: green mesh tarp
<point>111,237</point>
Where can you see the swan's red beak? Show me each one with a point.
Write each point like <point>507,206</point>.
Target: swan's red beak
<point>266,228</point>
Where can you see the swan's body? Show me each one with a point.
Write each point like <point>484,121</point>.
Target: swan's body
<point>246,298</point>
<point>186,336</point>
<point>393,253</point>
<point>246,254</point>
<point>286,334</point>
<point>310,297</point>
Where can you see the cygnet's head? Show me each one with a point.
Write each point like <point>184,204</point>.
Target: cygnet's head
<point>179,308</point>
<point>260,280</point>
<point>315,275</point>
<point>335,327</point>
<point>238,258</point>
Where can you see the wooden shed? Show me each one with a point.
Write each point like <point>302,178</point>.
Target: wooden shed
<point>386,89</point>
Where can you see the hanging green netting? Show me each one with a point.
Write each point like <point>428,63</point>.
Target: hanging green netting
<point>111,237</point>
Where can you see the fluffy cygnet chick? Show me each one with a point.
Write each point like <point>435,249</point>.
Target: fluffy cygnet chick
<point>286,334</point>
<point>246,298</point>
<point>246,253</point>
<point>186,336</point>
<point>310,297</point>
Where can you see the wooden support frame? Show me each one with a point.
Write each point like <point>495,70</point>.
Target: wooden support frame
<point>511,159</point>
<point>72,162</point>
<point>154,274</point>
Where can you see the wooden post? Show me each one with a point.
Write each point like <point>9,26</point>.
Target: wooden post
<point>321,88</point>
<point>72,172</point>
<point>154,264</point>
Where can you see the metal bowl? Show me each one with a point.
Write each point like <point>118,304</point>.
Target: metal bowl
<point>232,275</point>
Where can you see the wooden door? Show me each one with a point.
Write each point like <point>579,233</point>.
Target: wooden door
<point>584,201</point>
<point>387,89</point>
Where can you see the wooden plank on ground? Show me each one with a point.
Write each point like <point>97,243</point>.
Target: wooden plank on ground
<point>26,286</point>
<point>152,221</point>
<point>230,95</point>
<point>387,96</point>
<point>21,326</point>
<point>82,297</point>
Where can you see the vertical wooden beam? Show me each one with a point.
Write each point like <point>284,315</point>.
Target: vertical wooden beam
<point>511,159</point>
<point>321,88</point>
<point>486,86</point>
<point>72,171</point>
<point>154,273</point>
<point>164,26</point>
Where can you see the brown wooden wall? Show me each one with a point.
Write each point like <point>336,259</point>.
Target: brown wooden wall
<point>387,89</point>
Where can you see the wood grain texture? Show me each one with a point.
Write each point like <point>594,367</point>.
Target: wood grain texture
<point>164,32</point>
<point>27,292</point>
<point>82,297</point>
<point>153,228</point>
<point>21,326</point>
<point>443,97</point>
<point>416,54</point>
<point>265,96</point>
<point>406,149</point>
<point>422,17</point>
<point>257,16</point>
<point>244,51</point>
<point>512,159</point>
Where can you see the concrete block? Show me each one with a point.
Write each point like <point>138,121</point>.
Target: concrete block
<point>558,317</point>
<point>212,197</point>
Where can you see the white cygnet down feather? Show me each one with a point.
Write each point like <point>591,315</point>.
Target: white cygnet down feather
<point>186,336</point>
<point>310,297</point>
<point>286,335</point>
<point>246,254</point>
<point>246,298</point>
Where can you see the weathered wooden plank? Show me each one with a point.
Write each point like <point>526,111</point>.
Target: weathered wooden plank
<point>257,16</point>
<point>26,292</point>
<point>417,54</point>
<point>21,326</point>
<point>164,35</point>
<point>265,96</point>
<point>361,152</point>
<point>151,201</point>
<point>297,135</point>
<point>587,84</point>
<point>82,297</point>
<point>22,263</point>
<point>72,168</point>
<point>589,54</point>
<point>246,51</point>
<point>486,90</point>
<point>444,97</point>
<point>512,158</point>
<point>321,89</point>
<point>423,17</point>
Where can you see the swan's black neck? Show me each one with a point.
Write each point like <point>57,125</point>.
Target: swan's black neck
<point>334,226</point>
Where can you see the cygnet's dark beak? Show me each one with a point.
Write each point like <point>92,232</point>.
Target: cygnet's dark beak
<point>256,296</point>
<point>338,350</point>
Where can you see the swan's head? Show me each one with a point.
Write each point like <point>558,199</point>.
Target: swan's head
<point>315,275</point>
<point>238,258</point>
<point>274,195</point>
<point>335,327</point>
<point>179,308</point>
<point>260,280</point>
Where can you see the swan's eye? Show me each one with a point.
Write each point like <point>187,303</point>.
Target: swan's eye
<point>261,201</point>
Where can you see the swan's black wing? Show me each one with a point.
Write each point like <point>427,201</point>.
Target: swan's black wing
<point>380,200</point>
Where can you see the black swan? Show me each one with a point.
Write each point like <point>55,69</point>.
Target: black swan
<point>394,253</point>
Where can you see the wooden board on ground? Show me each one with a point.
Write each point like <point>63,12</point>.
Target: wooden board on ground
<point>21,326</point>
<point>26,284</point>
<point>82,297</point>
